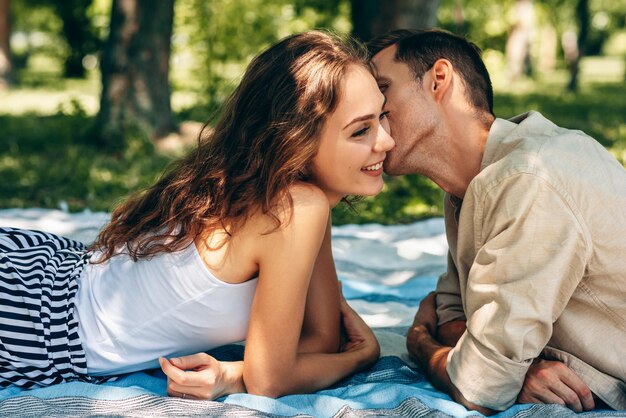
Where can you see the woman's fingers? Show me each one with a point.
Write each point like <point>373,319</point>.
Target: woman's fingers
<point>194,361</point>
<point>189,392</point>
<point>205,383</point>
<point>172,372</point>
<point>176,394</point>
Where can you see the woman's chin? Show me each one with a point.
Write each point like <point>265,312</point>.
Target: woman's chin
<point>374,190</point>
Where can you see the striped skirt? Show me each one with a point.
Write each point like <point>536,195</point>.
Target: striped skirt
<point>39,343</point>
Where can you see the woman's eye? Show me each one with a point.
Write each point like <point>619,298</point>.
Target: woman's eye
<point>383,115</point>
<point>360,132</point>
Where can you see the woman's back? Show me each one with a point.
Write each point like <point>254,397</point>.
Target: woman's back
<point>132,312</point>
<point>171,304</point>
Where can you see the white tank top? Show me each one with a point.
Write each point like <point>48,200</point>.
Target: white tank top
<point>131,313</point>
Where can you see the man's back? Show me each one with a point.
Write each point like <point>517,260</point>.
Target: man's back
<point>539,250</point>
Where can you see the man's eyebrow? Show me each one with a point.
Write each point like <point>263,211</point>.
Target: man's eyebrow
<point>382,80</point>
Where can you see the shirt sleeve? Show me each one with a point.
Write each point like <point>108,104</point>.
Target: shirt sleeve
<point>449,301</point>
<point>532,255</point>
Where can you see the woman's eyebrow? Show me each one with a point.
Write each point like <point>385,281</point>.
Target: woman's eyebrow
<point>360,119</point>
<point>364,117</point>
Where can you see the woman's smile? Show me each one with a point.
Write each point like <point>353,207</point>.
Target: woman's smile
<point>374,169</point>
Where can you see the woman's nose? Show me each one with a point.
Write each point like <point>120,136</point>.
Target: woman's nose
<point>384,141</point>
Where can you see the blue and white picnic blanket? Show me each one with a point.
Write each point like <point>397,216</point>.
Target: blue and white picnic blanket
<point>385,271</point>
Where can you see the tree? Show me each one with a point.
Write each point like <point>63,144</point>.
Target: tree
<point>573,59</point>
<point>78,32</point>
<point>372,17</point>
<point>135,72</point>
<point>6,63</point>
<point>517,49</point>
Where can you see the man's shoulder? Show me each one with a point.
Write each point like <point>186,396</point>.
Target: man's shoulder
<point>535,145</point>
<point>545,161</point>
<point>539,131</point>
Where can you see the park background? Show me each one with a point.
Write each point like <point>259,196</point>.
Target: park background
<point>97,96</point>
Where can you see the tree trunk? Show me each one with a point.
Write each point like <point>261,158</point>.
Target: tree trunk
<point>573,60</point>
<point>135,72</point>
<point>78,33</point>
<point>371,18</point>
<point>517,48</point>
<point>6,62</point>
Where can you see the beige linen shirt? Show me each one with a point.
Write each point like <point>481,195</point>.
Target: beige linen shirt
<point>537,263</point>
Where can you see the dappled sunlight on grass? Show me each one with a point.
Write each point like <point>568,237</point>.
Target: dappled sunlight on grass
<point>593,71</point>
<point>598,109</point>
<point>47,157</point>
<point>46,93</point>
<point>22,101</point>
<point>47,160</point>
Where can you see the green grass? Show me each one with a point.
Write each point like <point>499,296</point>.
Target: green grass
<point>47,160</point>
<point>599,110</point>
<point>47,157</point>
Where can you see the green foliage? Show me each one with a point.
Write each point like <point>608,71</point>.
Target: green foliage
<point>404,199</point>
<point>39,32</point>
<point>488,23</point>
<point>46,160</point>
<point>217,39</point>
<point>474,19</point>
<point>598,110</point>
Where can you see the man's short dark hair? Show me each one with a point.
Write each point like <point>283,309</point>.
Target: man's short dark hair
<point>420,49</point>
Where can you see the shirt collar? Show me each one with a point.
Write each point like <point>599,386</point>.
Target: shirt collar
<point>500,129</point>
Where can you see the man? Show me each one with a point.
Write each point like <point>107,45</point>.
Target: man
<point>536,225</point>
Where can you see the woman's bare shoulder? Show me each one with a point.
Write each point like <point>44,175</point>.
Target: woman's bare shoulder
<point>305,205</point>
<point>308,195</point>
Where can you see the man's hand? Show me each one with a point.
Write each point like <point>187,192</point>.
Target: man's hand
<point>448,334</point>
<point>431,355</point>
<point>426,315</point>
<point>553,382</point>
<point>201,376</point>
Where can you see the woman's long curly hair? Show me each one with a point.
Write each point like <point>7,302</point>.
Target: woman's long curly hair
<point>263,142</point>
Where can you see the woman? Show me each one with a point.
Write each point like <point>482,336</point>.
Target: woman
<point>233,242</point>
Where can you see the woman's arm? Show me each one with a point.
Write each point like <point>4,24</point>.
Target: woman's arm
<point>287,260</point>
<point>201,376</point>
<point>321,328</point>
<point>295,323</point>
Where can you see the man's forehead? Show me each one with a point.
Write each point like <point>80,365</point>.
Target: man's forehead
<point>382,60</point>
<point>385,55</point>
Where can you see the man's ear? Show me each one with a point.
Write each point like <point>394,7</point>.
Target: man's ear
<point>441,78</point>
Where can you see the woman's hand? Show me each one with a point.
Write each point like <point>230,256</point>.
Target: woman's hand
<point>358,335</point>
<point>201,376</point>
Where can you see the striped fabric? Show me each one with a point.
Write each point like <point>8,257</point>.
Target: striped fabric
<point>39,343</point>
